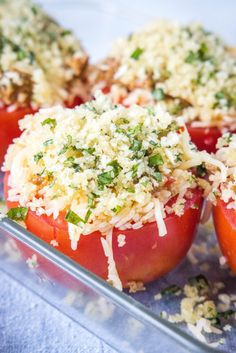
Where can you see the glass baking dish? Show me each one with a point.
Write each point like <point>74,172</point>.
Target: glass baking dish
<point>129,322</point>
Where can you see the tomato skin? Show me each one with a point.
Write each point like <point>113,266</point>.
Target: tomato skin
<point>9,128</point>
<point>145,255</point>
<point>205,138</point>
<point>225,226</point>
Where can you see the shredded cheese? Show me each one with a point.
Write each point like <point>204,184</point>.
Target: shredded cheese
<point>113,276</point>
<point>159,219</point>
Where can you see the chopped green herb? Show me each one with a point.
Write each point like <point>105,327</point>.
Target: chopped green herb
<point>153,143</point>
<point>105,178</point>
<point>88,214</point>
<point>178,157</point>
<point>66,146</point>
<point>89,150</point>
<point>21,54</point>
<point>200,282</point>
<point>136,53</point>
<point>65,33</point>
<point>134,170</point>
<point>135,130</point>
<point>155,160</point>
<point>157,176</point>
<point>151,110</point>
<point>38,156</point>
<point>171,290</point>
<point>131,190</point>
<point>191,57</point>
<point>224,98</point>
<point>158,94</point>
<point>34,9</point>
<point>116,168</point>
<point>70,163</point>
<point>18,213</point>
<point>220,95</point>
<point>72,186</point>
<point>201,55</point>
<point>175,109</point>
<point>225,315</point>
<point>63,150</point>
<point>48,142</point>
<point>91,202</point>
<point>51,122</point>
<point>31,57</point>
<point>201,170</point>
<point>117,209</point>
<point>228,137</point>
<point>195,206</point>
<point>121,131</point>
<point>73,218</point>
<point>136,145</point>
<point>203,52</point>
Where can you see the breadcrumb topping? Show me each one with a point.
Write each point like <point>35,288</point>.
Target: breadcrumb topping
<point>105,166</point>
<point>40,61</point>
<point>188,69</point>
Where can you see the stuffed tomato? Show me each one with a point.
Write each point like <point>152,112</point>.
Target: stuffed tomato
<point>117,189</point>
<point>42,64</point>
<point>224,211</point>
<point>187,69</point>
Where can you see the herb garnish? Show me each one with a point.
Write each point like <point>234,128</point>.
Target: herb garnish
<point>158,94</point>
<point>38,156</point>
<point>51,122</point>
<point>155,160</point>
<point>171,290</point>
<point>48,142</point>
<point>18,213</point>
<point>136,53</point>
<point>73,218</point>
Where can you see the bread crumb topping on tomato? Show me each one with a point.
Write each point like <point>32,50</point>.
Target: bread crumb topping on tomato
<point>187,69</point>
<point>106,166</point>
<point>40,62</point>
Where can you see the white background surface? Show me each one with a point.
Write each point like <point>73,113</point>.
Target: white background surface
<point>97,23</point>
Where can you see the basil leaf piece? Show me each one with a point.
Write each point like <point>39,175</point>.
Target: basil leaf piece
<point>17,213</point>
<point>155,160</point>
<point>136,53</point>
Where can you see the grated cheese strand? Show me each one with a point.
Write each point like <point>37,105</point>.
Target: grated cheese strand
<point>113,276</point>
<point>159,219</point>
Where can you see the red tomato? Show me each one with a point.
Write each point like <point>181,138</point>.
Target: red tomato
<point>205,138</point>
<point>225,226</point>
<point>9,128</point>
<point>145,256</point>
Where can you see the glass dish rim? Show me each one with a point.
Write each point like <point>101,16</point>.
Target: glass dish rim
<point>121,299</point>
